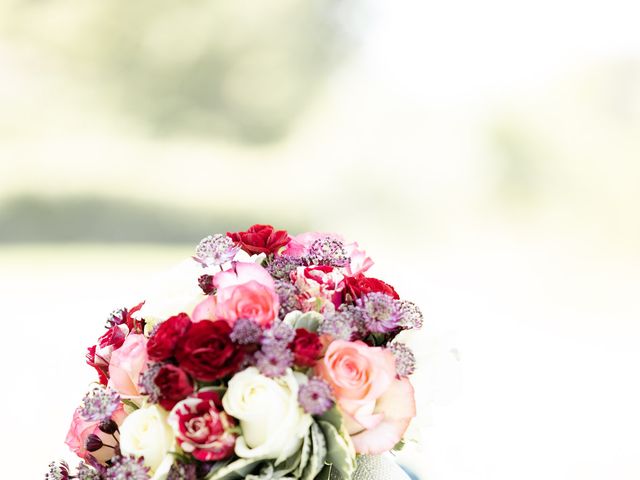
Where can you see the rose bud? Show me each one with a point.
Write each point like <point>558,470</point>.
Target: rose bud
<point>93,443</point>
<point>108,426</point>
<point>206,284</point>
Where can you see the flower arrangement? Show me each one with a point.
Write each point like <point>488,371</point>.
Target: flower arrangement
<point>278,360</point>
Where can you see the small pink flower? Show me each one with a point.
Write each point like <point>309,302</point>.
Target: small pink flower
<point>359,261</point>
<point>320,287</point>
<point>202,427</point>
<point>376,405</point>
<point>80,430</point>
<point>127,363</point>
<point>244,291</point>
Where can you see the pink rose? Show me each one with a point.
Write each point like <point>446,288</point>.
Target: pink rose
<point>110,341</point>
<point>80,430</point>
<point>246,290</point>
<point>127,363</point>
<point>320,287</point>
<point>377,406</point>
<point>359,261</point>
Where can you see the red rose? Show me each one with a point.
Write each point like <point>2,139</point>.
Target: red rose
<point>306,347</point>
<point>203,428</point>
<point>360,285</point>
<point>101,367</point>
<point>162,344</point>
<point>207,353</point>
<point>260,239</point>
<point>174,385</point>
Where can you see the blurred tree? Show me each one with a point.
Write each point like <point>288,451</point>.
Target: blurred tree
<point>231,68</point>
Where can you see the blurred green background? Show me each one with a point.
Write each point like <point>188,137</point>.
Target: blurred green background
<point>485,153</point>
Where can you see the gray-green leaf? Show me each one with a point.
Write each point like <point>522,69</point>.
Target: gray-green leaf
<point>340,451</point>
<point>318,455</point>
<point>239,468</point>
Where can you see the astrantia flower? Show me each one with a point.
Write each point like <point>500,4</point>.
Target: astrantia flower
<point>288,298</point>
<point>84,472</point>
<point>57,471</point>
<point>147,383</point>
<point>117,317</point>
<point>405,359</point>
<point>245,331</point>
<point>273,360</point>
<point>215,250</point>
<point>410,315</point>
<point>279,333</point>
<point>281,267</point>
<point>339,325</point>
<point>99,404</point>
<point>380,312</point>
<point>182,471</point>
<point>127,468</point>
<point>328,251</point>
<point>315,397</point>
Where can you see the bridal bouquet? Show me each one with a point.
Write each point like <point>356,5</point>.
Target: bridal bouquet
<point>278,359</point>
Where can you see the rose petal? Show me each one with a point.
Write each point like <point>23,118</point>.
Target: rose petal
<point>398,406</point>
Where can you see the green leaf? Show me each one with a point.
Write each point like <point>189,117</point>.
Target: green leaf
<point>130,404</point>
<point>305,453</point>
<point>239,468</point>
<point>340,452</point>
<point>308,320</point>
<point>288,466</point>
<point>325,474</point>
<point>399,446</point>
<point>334,417</point>
<point>318,455</point>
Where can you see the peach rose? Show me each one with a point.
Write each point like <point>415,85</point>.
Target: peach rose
<point>126,365</point>
<point>80,430</point>
<point>377,406</point>
<point>246,290</point>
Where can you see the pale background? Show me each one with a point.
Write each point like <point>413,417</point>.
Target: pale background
<point>485,153</point>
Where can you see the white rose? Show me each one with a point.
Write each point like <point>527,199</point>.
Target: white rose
<point>146,433</point>
<point>272,422</point>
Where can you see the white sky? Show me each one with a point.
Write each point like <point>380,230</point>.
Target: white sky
<point>457,50</point>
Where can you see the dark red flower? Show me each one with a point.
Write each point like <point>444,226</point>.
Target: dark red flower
<point>306,348</point>
<point>173,384</point>
<point>162,344</point>
<point>203,428</point>
<point>207,353</point>
<point>360,285</point>
<point>205,282</point>
<point>260,239</point>
<point>114,337</point>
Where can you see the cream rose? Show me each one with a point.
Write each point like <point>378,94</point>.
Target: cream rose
<point>273,424</point>
<point>146,433</point>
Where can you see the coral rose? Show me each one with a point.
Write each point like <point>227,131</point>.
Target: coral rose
<point>376,405</point>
